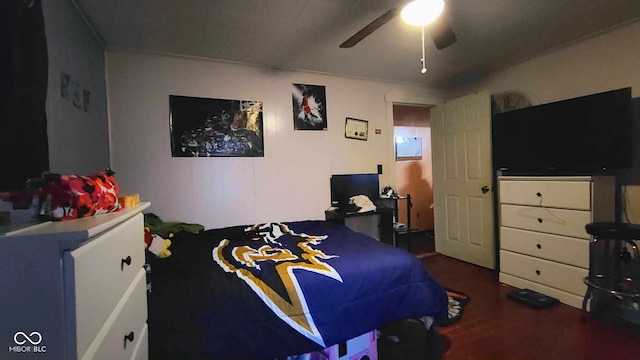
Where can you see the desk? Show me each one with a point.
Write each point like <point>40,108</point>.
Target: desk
<point>377,224</point>
<point>392,204</point>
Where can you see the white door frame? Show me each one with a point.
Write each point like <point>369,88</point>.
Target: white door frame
<point>388,176</point>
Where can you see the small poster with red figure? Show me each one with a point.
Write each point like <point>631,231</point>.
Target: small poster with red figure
<point>309,107</point>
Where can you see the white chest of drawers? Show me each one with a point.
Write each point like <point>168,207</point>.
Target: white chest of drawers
<point>75,289</point>
<point>543,242</point>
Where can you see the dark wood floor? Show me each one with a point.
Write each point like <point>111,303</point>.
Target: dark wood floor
<point>494,327</point>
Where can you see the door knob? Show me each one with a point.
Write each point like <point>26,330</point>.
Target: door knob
<point>485,189</point>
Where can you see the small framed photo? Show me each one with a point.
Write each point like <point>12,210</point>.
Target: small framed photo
<point>356,129</point>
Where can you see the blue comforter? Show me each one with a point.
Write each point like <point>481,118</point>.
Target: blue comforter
<point>272,290</point>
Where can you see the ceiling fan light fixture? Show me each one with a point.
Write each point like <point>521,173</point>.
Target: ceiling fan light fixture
<point>422,12</point>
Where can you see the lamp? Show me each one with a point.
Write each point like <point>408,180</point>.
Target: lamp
<point>421,13</point>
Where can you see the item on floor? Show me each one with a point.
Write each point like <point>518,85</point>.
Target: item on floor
<point>361,347</point>
<point>532,298</point>
<point>164,229</point>
<point>157,245</point>
<point>457,302</point>
<point>410,339</point>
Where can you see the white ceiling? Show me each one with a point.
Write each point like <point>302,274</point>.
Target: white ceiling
<point>305,34</point>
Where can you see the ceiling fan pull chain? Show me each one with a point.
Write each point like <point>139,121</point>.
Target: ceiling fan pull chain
<point>424,69</point>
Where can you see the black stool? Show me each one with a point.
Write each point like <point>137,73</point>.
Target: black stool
<point>614,269</point>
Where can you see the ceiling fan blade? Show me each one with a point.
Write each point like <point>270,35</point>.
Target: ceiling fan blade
<point>370,28</point>
<point>441,33</point>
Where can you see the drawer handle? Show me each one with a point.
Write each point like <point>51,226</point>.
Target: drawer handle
<point>127,261</point>
<point>540,220</point>
<point>537,272</point>
<point>129,337</point>
<point>538,194</point>
<point>539,246</point>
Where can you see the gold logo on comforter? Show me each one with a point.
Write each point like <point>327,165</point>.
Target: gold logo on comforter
<point>249,261</point>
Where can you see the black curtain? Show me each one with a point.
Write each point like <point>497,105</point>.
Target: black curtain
<point>24,148</point>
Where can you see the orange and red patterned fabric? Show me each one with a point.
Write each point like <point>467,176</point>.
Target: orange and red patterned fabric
<point>67,197</point>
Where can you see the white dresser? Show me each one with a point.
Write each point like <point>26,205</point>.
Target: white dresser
<point>75,289</point>
<point>543,242</point>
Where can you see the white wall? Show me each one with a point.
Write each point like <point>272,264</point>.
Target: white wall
<point>606,62</point>
<point>78,139</point>
<point>291,182</point>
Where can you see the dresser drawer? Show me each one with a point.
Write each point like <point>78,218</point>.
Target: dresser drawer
<point>125,330</point>
<point>141,351</point>
<point>103,269</point>
<point>562,194</point>
<point>562,249</point>
<point>556,275</point>
<point>554,221</point>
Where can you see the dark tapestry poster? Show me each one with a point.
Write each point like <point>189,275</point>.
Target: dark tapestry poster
<point>202,127</point>
<point>309,107</point>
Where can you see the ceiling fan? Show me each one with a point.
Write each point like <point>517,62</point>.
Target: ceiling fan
<point>439,29</point>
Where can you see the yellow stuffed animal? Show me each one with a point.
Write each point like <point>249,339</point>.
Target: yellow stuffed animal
<point>156,244</point>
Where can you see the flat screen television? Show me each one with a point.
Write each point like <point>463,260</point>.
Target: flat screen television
<point>587,135</point>
<point>344,186</point>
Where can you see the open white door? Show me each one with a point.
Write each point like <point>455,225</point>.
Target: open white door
<point>462,179</point>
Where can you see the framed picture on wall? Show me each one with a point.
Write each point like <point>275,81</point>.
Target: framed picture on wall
<point>309,107</point>
<point>203,127</point>
<point>356,129</point>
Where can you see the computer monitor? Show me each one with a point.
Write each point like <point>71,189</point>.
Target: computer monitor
<point>344,186</point>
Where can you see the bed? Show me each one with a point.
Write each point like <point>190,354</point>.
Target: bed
<point>272,290</point>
